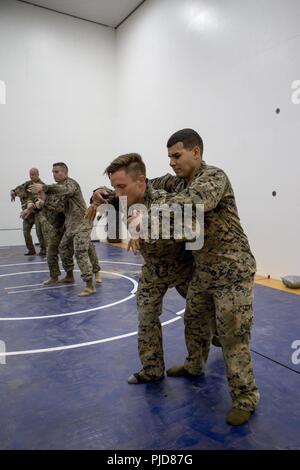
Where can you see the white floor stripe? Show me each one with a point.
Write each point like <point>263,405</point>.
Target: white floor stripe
<point>45,262</point>
<point>19,287</point>
<point>121,262</point>
<point>22,264</point>
<point>42,288</point>
<point>79,345</point>
<point>21,272</point>
<point>180,312</point>
<point>42,317</point>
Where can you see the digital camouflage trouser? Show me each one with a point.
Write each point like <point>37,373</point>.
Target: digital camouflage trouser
<point>34,219</point>
<point>227,310</point>
<point>85,253</point>
<point>156,278</point>
<point>27,226</point>
<point>52,224</point>
<point>40,232</point>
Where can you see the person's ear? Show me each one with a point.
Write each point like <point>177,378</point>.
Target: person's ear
<point>142,179</point>
<point>196,152</point>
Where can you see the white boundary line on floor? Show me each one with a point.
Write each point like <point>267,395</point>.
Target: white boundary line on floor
<point>42,288</point>
<point>80,345</point>
<point>26,285</point>
<point>22,264</point>
<point>45,262</point>
<point>90,343</point>
<point>59,315</point>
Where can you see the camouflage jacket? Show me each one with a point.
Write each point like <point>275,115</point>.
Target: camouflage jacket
<point>52,209</point>
<point>164,248</point>
<point>29,183</point>
<point>74,205</point>
<point>25,200</point>
<point>226,252</point>
<point>31,196</point>
<point>165,243</point>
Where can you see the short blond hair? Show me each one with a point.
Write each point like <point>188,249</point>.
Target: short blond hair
<point>130,162</point>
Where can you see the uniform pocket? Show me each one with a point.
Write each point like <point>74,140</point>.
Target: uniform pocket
<point>243,313</point>
<point>234,314</point>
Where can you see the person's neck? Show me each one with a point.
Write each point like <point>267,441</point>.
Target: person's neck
<point>143,195</point>
<point>192,175</point>
<point>142,198</point>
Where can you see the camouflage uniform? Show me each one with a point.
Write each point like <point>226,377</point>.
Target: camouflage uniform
<point>66,250</point>
<point>221,290</point>
<point>28,224</point>
<point>36,221</point>
<point>167,265</point>
<point>77,229</point>
<point>94,258</point>
<point>52,221</point>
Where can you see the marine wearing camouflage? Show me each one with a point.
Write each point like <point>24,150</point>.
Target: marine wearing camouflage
<point>36,219</point>
<point>52,220</point>
<point>27,223</point>
<point>77,228</point>
<point>167,264</point>
<point>221,290</point>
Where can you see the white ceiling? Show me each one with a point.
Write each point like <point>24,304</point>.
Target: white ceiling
<point>107,12</point>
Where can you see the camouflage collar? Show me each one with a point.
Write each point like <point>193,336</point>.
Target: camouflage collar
<point>149,193</point>
<point>201,169</point>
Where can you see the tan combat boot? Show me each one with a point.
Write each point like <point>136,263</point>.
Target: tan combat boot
<point>51,281</point>
<point>68,279</point>
<point>237,417</point>
<point>181,371</point>
<point>89,290</point>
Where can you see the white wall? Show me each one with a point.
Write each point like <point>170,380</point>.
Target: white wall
<point>222,68</point>
<point>59,74</point>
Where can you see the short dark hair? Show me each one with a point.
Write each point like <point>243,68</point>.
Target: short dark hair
<point>63,165</point>
<point>130,162</point>
<point>188,137</point>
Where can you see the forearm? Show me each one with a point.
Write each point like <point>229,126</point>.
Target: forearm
<point>68,188</point>
<point>102,195</point>
<point>167,182</point>
<point>207,191</point>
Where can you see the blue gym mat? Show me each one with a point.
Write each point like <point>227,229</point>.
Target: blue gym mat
<point>64,384</point>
